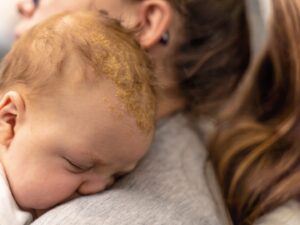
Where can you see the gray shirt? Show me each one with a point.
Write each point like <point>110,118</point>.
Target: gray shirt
<point>167,188</point>
<point>287,214</point>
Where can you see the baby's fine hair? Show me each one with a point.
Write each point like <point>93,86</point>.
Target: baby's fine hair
<point>97,43</point>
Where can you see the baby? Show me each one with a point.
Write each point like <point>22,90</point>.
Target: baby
<point>77,110</point>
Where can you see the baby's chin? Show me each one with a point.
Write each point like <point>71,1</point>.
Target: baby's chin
<point>36,213</point>
<point>37,210</point>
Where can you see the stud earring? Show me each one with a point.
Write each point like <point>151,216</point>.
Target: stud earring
<point>165,38</point>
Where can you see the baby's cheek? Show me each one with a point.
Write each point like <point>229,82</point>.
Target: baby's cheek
<point>21,188</point>
<point>43,193</point>
<point>25,194</point>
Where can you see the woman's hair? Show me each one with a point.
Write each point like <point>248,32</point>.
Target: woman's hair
<point>256,150</point>
<point>212,53</point>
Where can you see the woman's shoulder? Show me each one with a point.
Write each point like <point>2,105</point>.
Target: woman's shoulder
<point>125,207</point>
<point>288,214</point>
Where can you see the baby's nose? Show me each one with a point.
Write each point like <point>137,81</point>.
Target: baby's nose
<point>94,186</point>
<point>26,8</point>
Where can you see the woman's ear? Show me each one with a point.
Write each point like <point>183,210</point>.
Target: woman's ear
<point>12,108</point>
<point>154,19</point>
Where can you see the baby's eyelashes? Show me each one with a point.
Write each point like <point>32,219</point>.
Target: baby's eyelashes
<point>76,167</point>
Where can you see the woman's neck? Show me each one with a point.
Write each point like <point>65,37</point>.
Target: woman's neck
<point>167,105</point>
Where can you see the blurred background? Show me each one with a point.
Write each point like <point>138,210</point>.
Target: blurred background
<point>9,18</point>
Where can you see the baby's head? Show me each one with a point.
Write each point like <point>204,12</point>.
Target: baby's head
<point>77,109</point>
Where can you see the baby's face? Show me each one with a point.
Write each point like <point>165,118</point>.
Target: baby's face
<point>75,142</point>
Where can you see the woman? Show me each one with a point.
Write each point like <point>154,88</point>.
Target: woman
<point>256,149</point>
<point>195,46</point>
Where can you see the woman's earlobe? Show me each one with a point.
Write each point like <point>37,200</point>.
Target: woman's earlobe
<point>164,40</point>
<point>155,18</point>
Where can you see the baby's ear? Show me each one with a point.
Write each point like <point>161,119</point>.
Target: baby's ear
<point>12,108</point>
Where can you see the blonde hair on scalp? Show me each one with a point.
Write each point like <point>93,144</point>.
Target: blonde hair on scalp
<point>256,150</point>
<point>40,59</point>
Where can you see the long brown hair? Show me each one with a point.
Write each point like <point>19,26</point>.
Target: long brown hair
<point>256,151</point>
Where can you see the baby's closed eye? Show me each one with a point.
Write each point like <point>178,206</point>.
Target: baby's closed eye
<point>77,167</point>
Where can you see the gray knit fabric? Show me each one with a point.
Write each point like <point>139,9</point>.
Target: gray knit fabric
<point>287,214</point>
<point>168,187</point>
